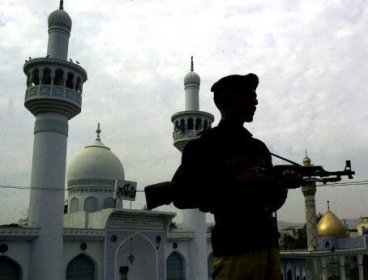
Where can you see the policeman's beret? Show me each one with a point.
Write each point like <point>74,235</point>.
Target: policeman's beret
<point>236,82</point>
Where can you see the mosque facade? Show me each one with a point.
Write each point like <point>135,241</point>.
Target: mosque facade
<point>96,237</point>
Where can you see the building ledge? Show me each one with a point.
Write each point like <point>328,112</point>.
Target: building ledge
<point>83,234</point>
<point>180,235</point>
<point>19,233</point>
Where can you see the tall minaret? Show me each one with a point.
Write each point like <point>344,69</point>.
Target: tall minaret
<point>187,125</point>
<point>309,192</point>
<point>54,96</point>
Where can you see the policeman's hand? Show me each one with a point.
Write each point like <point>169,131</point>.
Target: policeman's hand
<point>291,179</point>
<point>255,175</point>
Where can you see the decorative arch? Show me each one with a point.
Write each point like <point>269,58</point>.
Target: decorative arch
<point>81,267</point>
<point>74,205</point>
<point>143,251</point>
<point>298,273</point>
<point>90,204</point>
<point>289,272</point>
<point>175,267</point>
<point>9,269</point>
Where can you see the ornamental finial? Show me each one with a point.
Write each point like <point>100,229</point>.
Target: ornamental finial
<point>61,5</point>
<point>191,64</point>
<point>98,131</point>
<point>328,205</point>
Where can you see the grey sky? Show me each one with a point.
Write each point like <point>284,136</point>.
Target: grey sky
<point>310,57</point>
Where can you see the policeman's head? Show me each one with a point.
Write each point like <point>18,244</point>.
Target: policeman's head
<point>235,96</point>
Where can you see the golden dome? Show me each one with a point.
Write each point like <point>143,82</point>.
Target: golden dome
<point>307,161</point>
<point>330,225</point>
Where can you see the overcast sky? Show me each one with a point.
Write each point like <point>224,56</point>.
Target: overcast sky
<point>311,57</point>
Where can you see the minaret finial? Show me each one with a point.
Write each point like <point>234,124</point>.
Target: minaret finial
<point>61,5</point>
<point>191,64</point>
<point>306,154</point>
<point>328,205</point>
<point>98,131</point>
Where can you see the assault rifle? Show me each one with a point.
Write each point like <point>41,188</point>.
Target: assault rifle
<point>164,193</point>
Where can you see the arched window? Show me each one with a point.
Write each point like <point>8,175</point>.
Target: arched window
<point>74,205</point>
<point>90,204</point>
<point>69,81</point>
<point>80,268</point>
<point>29,82</point>
<point>289,275</point>
<point>36,77</point>
<point>78,86</point>
<point>59,80</point>
<point>210,266</point>
<point>9,270</point>
<point>108,203</point>
<point>182,125</point>
<point>198,125</point>
<point>46,79</point>
<point>175,267</point>
<point>190,124</point>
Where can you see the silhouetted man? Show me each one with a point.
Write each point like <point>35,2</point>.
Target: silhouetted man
<point>225,172</point>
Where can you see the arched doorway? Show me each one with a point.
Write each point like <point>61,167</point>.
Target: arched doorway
<point>80,268</point>
<point>175,267</point>
<point>9,269</point>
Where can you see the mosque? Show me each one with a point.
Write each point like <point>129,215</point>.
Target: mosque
<point>96,238</point>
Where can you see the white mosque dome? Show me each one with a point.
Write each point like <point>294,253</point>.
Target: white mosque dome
<point>60,18</point>
<point>95,161</point>
<point>192,78</point>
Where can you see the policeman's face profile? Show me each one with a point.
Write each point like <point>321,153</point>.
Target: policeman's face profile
<point>240,105</point>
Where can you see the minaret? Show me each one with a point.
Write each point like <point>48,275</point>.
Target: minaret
<point>309,192</point>
<point>187,125</point>
<point>54,96</point>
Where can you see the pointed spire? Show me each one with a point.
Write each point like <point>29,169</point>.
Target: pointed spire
<point>98,131</point>
<point>191,64</point>
<point>61,5</point>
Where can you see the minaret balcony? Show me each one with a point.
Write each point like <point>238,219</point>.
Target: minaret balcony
<point>50,98</point>
<point>187,135</point>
